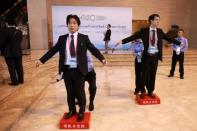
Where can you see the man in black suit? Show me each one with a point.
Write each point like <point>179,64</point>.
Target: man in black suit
<point>2,33</point>
<point>11,50</point>
<point>107,38</point>
<point>72,48</point>
<point>152,39</point>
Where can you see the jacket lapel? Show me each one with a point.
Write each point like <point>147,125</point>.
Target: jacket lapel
<point>78,43</point>
<point>158,38</point>
<point>64,42</point>
<point>147,37</point>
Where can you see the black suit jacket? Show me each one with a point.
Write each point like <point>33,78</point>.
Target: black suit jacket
<point>144,35</point>
<point>107,35</point>
<point>83,44</point>
<point>11,43</point>
<point>2,38</point>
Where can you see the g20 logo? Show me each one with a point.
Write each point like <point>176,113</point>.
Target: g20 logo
<point>88,17</point>
<point>92,17</point>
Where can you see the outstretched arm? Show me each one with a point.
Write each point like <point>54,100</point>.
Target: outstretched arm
<point>49,54</point>
<point>95,51</point>
<point>168,38</point>
<point>135,36</point>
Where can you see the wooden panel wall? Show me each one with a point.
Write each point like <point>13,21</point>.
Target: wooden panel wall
<point>171,11</point>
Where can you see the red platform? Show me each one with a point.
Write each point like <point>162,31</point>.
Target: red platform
<point>147,100</point>
<point>73,124</point>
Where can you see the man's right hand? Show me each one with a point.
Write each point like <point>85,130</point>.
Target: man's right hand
<point>38,63</point>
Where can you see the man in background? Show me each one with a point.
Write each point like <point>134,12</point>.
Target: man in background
<point>152,37</point>
<point>11,50</point>
<point>178,54</point>
<point>107,38</point>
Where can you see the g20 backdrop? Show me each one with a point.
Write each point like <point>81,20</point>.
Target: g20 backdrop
<point>94,21</point>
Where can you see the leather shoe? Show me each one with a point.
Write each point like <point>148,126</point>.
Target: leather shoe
<point>151,95</point>
<point>21,82</point>
<point>170,75</point>
<point>91,107</point>
<point>69,114</point>
<point>13,84</point>
<point>80,117</point>
<point>181,77</point>
<point>142,96</point>
<point>136,92</point>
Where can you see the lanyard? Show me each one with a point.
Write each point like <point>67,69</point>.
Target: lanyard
<point>150,39</point>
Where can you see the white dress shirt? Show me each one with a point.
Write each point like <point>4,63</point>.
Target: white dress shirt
<point>150,38</point>
<point>68,41</point>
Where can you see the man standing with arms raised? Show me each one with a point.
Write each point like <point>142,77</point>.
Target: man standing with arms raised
<point>73,48</point>
<point>152,39</point>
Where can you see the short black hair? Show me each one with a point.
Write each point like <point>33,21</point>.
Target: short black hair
<point>109,25</point>
<point>181,30</point>
<point>11,22</point>
<point>73,17</point>
<point>152,17</point>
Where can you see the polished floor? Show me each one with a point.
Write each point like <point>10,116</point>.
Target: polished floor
<point>40,102</point>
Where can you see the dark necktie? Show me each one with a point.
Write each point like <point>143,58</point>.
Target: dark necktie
<point>153,38</point>
<point>72,47</point>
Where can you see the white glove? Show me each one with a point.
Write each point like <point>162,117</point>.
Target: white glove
<point>178,50</point>
<point>139,53</point>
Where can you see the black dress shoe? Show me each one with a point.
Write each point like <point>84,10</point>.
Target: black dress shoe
<point>21,82</point>
<point>151,95</point>
<point>80,117</point>
<point>181,77</point>
<point>69,114</point>
<point>142,96</point>
<point>91,107</point>
<point>170,75</point>
<point>13,84</point>
<point>136,92</point>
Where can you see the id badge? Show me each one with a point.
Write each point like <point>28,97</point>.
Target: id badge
<point>139,60</point>
<point>72,63</point>
<point>152,50</point>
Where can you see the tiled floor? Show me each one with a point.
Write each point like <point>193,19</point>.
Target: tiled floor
<point>115,108</point>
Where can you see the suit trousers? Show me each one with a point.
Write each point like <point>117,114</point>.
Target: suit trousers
<point>15,69</point>
<point>91,79</point>
<point>138,75</point>
<point>150,64</point>
<point>75,82</point>
<point>180,59</point>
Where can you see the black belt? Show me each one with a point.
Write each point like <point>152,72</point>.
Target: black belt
<point>150,54</point>
<point>68,67</point>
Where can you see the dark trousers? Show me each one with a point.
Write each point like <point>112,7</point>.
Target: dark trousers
<point>91,79</point>
<point>75,82</point>
<point>15,69</point>
<point>138,75</point>
<point>150,64</point>
<point>180,59</point>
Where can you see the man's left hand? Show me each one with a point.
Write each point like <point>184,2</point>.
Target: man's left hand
<point>104,62</point>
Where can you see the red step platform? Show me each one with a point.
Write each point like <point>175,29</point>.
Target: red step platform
<point>147,100</point>
<point>73,124</point>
